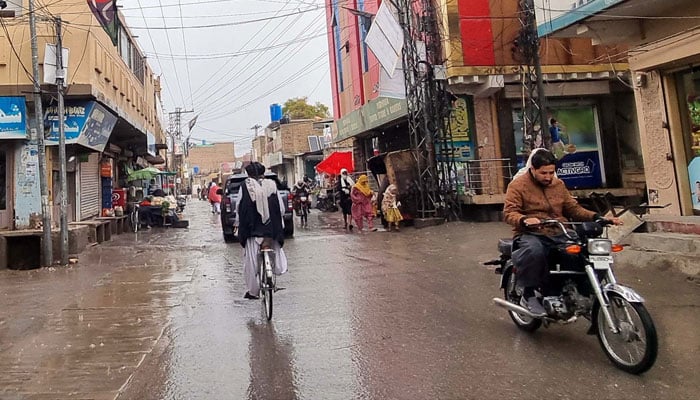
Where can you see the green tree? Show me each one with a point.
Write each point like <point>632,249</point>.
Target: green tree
<point>299,108</point>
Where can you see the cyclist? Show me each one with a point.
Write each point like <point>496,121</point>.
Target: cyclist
<point>260,212</point>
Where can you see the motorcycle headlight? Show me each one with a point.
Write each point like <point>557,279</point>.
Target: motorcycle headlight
<point>599,246</point>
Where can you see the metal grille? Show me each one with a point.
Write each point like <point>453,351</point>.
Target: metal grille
<point>487,176</point>
<point>90,187</point>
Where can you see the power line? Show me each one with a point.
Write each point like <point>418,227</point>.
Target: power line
<point>160,65</point>
<point>170,47</point>
<point>187,62</point>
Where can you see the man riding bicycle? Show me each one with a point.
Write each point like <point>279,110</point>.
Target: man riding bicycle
<point>260,212</point>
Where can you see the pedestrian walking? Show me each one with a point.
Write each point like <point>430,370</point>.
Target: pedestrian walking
<point>205,192</point>
<point>361,195</point>
<point>199,192</point>
<point>345,184</point>
<point>390,207</point>
<point>214,198</point>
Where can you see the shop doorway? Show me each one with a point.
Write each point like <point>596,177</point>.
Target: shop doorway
<point>5,190</point>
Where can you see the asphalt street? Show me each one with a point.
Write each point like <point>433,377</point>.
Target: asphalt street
<point>401,315</point>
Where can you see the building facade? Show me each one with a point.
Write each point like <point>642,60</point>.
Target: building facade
<point>582,80</point>
<point>112,121</point>
<point>291,148</point>
<point>664,56</point>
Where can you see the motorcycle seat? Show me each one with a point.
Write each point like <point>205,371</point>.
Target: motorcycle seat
<point>505,246</point>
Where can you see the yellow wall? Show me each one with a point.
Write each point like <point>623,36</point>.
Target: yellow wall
<point>95,67</point>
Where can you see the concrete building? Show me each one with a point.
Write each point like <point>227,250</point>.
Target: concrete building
<point>211,161</point>
<point>664,56</point>
<point>284,141</point>
<point>112,112</point>
<point>584,84</point>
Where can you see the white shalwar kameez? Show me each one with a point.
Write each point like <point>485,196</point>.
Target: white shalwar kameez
<point>251,252</point>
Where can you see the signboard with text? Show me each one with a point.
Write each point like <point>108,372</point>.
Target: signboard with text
<point>13,118</point>
<point>374,114</point>
<point>85,122</point>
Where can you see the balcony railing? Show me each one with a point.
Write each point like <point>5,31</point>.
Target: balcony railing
<point>484,177</point>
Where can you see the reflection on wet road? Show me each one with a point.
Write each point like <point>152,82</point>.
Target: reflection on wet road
<point>161,315</point>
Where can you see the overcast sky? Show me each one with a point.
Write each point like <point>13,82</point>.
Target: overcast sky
<point>232,59</point>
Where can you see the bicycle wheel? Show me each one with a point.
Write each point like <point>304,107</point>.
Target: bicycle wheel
<point>134,221</point>
<point>266,287</point>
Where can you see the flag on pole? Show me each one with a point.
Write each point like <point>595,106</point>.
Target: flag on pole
<point>106,13</point>
<point>192,122</point>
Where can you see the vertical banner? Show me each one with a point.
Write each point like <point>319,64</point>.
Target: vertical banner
<point>580,162</point>
<point>106,13</point>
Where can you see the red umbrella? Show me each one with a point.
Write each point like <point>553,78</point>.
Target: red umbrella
<point>335,162</point>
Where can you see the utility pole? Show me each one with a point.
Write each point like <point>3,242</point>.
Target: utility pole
<point>38,139</point>
<point>256,127</point>
<point>527,50</point>
<point>429,109</point>
<point>60,79</point>
<point>176,134</point>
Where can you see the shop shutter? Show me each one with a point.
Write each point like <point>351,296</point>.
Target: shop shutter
<point>90,187</point>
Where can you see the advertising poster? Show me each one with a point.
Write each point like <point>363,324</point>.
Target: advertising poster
<point>13,118</point>
<point>694,174</point>
<point>580,165</point>
<point>461,129</point>
<point>86,123</point>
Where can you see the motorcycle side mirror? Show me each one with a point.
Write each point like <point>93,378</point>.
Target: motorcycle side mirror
<point>219,191</point>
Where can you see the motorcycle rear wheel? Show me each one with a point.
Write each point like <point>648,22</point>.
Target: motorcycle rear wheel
<point>523,322</point>
<point>634,348</point>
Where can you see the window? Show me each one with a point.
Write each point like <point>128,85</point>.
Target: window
<point>364,24</point>
<point>338,46</point>
<point>132,56</point>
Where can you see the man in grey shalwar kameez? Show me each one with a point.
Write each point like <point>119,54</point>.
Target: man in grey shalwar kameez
<point>260,212</point>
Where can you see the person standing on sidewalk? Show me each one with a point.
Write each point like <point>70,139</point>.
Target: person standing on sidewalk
<point>214,198</point>
<point>390,207</point>
<point>361,195</point>
<point>345,184</point>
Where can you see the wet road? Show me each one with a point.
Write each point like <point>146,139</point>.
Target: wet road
<point>161,315</point>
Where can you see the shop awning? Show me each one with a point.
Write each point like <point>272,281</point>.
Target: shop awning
<point>335,162</point>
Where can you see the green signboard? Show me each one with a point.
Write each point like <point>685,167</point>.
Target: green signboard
<point>372,115</point>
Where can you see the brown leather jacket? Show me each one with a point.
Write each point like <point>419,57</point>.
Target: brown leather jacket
<point>526,198</point>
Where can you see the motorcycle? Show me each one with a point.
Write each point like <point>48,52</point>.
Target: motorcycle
<point>581,283</point>
<point>302,205</point>
<point>326,202</point>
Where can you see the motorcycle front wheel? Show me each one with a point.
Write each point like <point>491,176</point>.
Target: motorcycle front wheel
<point>634,347</point>
<point>523,322</point>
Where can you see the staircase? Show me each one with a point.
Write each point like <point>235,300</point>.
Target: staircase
<point>665,243</point>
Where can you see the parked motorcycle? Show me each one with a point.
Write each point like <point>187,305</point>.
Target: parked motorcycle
<point>326,201</point>
<point>581,283</point>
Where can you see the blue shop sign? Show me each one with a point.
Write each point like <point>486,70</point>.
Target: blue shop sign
<point>13,118</point>
<point>580,170</point>
<point>86,123</point>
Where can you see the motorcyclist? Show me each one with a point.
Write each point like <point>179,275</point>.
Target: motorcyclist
<point>534,195</point>
<point>300,189</point>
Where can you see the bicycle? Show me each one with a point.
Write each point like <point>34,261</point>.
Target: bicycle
<point>268,284</point>
<point>134,218</point>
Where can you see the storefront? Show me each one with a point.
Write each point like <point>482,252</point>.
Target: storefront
<point>667,74</point>
<point>88,126</point>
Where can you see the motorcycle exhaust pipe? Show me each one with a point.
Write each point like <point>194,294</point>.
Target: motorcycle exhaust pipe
<point>514,307</point>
